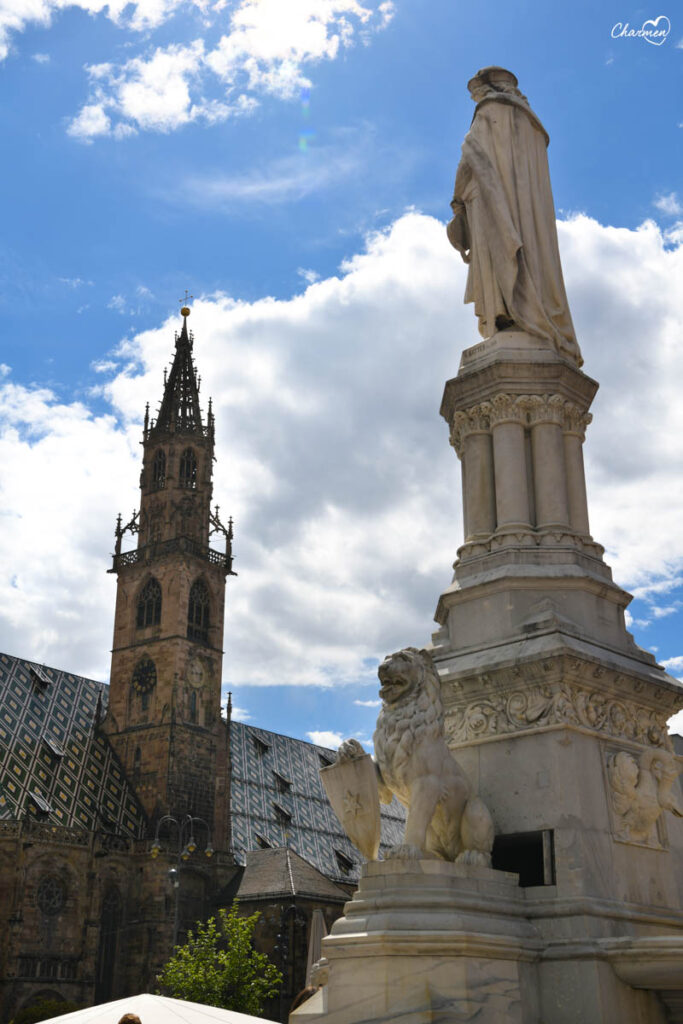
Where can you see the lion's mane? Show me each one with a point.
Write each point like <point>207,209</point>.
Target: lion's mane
<point>416,718</point>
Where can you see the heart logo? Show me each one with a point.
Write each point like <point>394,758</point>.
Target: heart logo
<point>655,31</point>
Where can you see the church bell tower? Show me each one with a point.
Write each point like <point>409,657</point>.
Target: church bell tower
<point>164,714</point>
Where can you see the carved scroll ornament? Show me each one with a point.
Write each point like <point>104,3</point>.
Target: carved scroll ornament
<point>541,705</point>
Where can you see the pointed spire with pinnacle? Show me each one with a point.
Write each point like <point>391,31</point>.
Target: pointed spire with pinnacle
<point>180,412</point>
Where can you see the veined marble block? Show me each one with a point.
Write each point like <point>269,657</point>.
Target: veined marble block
<point>425,941</point>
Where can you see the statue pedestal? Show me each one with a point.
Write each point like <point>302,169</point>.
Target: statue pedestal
<point>429,942</point>
<point>425,941</point>
<point>551,709</point>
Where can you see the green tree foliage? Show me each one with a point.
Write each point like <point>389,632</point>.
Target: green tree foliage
<point>218,966</point>
<point>44,1010</point>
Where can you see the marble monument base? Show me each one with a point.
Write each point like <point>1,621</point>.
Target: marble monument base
<point>426,941</point>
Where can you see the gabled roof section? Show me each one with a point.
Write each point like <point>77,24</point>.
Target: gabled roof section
<point>282,872</point>
<point>54,762</point>
<point>179,412</point>
<point>259,758</point>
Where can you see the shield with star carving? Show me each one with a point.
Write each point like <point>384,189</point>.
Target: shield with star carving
<point>351,788</point>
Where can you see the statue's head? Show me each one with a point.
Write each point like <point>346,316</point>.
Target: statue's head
<point>406,672</point>
<point>627,768</point>
<point>492,80</point>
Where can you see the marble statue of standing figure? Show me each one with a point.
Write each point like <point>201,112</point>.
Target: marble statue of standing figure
<point>504,219</point>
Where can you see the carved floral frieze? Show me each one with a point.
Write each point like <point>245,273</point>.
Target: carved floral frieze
<point>526,410</point>
<point>544,705</point>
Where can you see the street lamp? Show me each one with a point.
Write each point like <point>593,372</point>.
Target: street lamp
<point>185,850</point>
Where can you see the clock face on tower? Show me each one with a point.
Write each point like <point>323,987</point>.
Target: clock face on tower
<point>144,676</point>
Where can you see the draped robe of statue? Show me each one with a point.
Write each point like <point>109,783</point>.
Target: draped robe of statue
<point>504,224</point>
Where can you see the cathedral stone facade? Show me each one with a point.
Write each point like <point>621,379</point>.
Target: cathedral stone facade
<point>128,811</point>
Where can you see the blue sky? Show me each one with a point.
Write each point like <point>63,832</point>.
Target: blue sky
<point>289,163</point>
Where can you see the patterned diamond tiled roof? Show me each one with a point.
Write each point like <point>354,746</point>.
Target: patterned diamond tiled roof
<point>278,800</point>
<point>52,758</point>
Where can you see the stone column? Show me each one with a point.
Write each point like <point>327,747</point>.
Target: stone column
<point>575,423</point>
<point>546,417</point>
<point>471,438</point>
<point>509,461</point>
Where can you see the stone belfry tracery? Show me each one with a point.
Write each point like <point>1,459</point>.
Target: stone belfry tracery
<point>164,715</point>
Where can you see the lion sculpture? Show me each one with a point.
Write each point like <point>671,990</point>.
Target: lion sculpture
<point>445,818</point>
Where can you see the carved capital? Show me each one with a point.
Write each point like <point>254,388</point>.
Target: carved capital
<point>545,409</point>
<point>576,420</point>
<point>476,420</point>
<point>508,409</point>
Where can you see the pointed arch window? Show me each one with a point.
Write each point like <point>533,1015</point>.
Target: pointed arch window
<point>110,924</point>
<point>193,707</point>
<point>198,613</point>
<point>149,605</point>
<point>159,469</point>
<point>188,469</point>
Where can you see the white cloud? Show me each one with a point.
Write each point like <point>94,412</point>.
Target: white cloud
<point>240,714</point>
<point>325,738</point>
<point>155,93</point>
<point>138,15</point>
<point>673,664</point>
<point>669,204</point>
<point>90,122</point>
<point>271,41</point>
<point>334,461</point>
<point>309,276</point>
<point>49,601</point>
<point>74,282</point>
<point>628,323</point>
<point>265,51</point>
<point>649,591</point>
<point>661,613</point>
<point>285,180</point>
<point>675,723</point>
<point>117,303</point>
<point>368,703</point>
<point>41,58</point>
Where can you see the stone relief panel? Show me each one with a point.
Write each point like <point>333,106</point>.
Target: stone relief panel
<point>545,705</point>
<point>639,788</point>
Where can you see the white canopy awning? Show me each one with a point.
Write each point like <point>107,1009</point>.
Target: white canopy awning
<point>155,1010</point>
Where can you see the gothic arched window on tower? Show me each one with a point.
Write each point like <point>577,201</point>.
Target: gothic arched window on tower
<point>198,613</point>
<point>159,470</point>
<point>149,605</point>
<point>193,707</point>
<point>188,470</point>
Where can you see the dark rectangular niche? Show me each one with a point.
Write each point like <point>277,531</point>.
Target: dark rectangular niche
<point>531,855</point>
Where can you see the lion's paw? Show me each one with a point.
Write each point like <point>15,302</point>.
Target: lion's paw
<point>349,751</point>
<point>477,857</point>
<point>405,851</point>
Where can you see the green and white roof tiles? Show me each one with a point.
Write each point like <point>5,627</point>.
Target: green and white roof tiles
<point>278,800</point>
<point>54,763</point>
